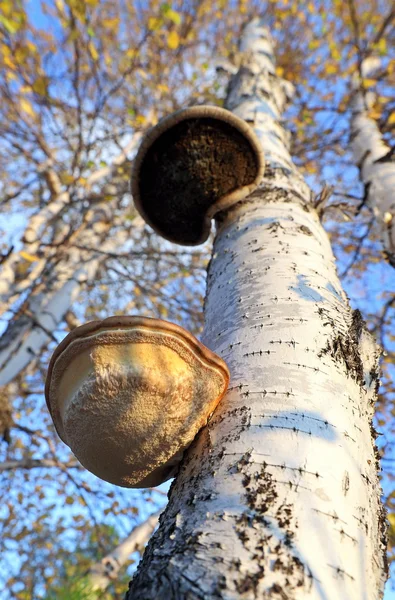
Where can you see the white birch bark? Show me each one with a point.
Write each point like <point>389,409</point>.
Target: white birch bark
<point>375,160</point>
<point>28,333</point>
<point>43,219</point>
<point>101,574</point>
<point>278,497</point>
<point>33,329</point>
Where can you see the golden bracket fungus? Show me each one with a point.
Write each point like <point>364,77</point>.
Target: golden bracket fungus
<point>193,164</point>
<point>129,394</point>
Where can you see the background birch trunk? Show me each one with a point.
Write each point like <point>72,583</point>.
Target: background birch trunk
<point>66,273</point>
<point>375,160</point>
<point>278,497</point>
<point>101,574</point>
<point>64,267</point>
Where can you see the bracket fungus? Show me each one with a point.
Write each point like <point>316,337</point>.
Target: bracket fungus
<point>193,164</point>
<point>129,394</point>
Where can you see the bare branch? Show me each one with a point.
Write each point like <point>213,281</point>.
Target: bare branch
<point>102,573</point>
<point>36,463</point>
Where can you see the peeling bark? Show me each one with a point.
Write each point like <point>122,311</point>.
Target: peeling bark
<point>278,497</point>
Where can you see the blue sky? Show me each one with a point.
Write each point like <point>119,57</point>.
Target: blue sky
<point>364,293</point>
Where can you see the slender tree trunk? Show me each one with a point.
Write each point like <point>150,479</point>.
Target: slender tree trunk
<point>376,162</point>
<point>58,276</point>
<point>101,574</point>
<point>278,497</point>
<point>41,313</point>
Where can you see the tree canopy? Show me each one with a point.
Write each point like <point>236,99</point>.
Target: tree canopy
<point>80,82</point>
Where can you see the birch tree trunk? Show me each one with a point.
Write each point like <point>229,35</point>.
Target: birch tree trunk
<point>278,497</point>
<point>58,276</point>
<point>42,312</point>
<point>101,574</point>
<point>375,161</point>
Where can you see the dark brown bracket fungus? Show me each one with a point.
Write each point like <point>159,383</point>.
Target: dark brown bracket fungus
<point>193,164</point>
<point>129,394</point>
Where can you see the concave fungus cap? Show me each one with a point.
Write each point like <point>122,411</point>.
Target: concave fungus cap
<point>129,394</point>
<point>193,164</point>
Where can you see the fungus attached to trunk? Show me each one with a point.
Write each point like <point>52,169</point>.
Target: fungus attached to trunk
<point>193,164</point>
<point>129,394</point>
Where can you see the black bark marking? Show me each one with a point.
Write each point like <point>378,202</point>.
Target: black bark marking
<point>305,230</point>
<point>263,508</point>
<point>377,456</point>
<point>315,369</point>
<point>344,348</point>
<point>299,470</point>
<point>341,573</point>
<point>383,528</point>
<point>347,535</point>
<point>346,483</point>
<point>333,516</point>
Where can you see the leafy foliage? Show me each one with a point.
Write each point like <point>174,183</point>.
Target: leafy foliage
<point>79,82</point>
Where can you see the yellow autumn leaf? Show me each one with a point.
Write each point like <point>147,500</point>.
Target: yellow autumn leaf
<point>375,114</point>
<point>40,86</point>
<point>330,69</point>
<point>154,23</point>
<point>10,25</point>
<point>31,47</point>
<point>78,8</point>
<point>369,82</point>
<point>4,50</point>
<point>173,16</point>
<point>8,61</point>
<point>142,74</point>
<point>66,178</point>
<point>27,107</point>
<point>163,311</point>
<point>313,44</point>
<point>173,40</point>
<point>391,119</point>
<point>279,71</point>
<point>27,256</point>
<point>382,46</point>
<point>335,53</point>
<point>92,50</point>
<point>132,53</point>
<point>21,54</point>
<point>310,167</point>
<point>111,23</point>
<point>10,76</point>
